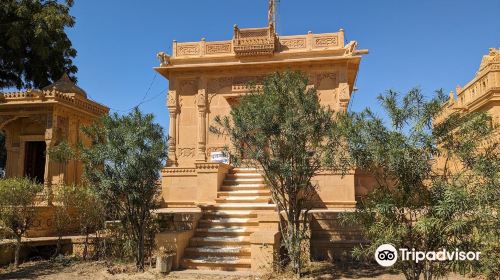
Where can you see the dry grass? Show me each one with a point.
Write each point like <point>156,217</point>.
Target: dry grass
<point>67,268</point>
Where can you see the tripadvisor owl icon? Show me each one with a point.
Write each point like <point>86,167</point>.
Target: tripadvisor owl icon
<point>386,255</point>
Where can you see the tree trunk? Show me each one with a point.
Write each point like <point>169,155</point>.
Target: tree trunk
<point>18,251</point>
<point>140,251</point>
<point>85,246</point>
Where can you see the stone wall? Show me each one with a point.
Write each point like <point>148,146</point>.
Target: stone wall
<point>330,240</point>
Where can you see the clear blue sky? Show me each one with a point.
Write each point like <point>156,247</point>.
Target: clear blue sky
<point>428,43</point>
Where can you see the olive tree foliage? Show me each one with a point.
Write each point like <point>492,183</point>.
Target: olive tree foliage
<point>282,130</point>
<point>34,47</point>
<point>436,182</point>
<point>123,163</point>
<point>17,208</point>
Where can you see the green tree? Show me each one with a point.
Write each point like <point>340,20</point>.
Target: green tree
<point>123,163</point>
<point>17,207</point>
<point>284,131</point>
<point>83,206</point>
<point>34,47</point>
<point>436,182</point>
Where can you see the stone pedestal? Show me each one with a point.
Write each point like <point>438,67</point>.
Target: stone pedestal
<point>265,242</point>
<point>209,177</point>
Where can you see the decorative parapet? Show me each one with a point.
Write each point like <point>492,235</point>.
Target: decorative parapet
<point>47,96</point>
<point>482,85</point>
<point>255,42</point>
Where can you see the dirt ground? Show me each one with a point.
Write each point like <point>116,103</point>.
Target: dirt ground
<point>68,269</point>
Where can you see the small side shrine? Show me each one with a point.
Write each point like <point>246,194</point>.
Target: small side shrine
<point>37,119</point>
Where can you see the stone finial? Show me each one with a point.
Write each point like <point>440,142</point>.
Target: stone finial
<point>65,85</point>
<point>458,89</point>
<point>452,96</point>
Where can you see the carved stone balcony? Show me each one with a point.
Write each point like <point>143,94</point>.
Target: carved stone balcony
<point>254,41</point>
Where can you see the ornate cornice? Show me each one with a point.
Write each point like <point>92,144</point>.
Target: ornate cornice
<point>41,97</point>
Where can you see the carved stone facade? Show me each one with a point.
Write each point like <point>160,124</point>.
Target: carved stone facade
<point>207,78</point>
<point>35,120</point>
<point>482,93</point>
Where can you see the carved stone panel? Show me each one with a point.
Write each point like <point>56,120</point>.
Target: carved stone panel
<point>296,43</point>
<point>188,49</point>
<point>329,41</point>
<point>186,152</point>
<point>217,48</point>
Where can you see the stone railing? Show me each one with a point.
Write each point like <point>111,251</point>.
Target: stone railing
<point>259,41</point>
<point>51,95</point>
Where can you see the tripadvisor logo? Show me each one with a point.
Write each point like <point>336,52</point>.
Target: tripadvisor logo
<point>387,255</point>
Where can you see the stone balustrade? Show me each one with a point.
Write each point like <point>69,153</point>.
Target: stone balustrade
<point>285,44</point>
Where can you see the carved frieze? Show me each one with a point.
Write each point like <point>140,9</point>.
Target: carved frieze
<point>320,42</point>
<point>188,86</point>
<point>216,48</point>
<point>297,43</point>
<point>186,152</point>
<point>321,76</point>
<point>188,49</point>
<point>215,85</point>
<point>178,170</point>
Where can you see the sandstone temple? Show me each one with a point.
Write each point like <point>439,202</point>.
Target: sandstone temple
<point>35,120</point>
<point>215,215</point>
<point>233,222</point>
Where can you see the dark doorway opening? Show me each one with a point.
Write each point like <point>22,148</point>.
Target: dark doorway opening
<point>34,160</point>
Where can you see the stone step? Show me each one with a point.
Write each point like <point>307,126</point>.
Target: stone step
<point>240,187</point>
<point>240,181</point>
<point>243,199</point>
<point>244,176</point>
<point>244,193</point>
<point>228,222</point>
<point>225,231</point>
<point>237,251</point>
<point>242,170</point>
<point>241,206</point>
<point>227,263</point>
<point>229,214</point>
<point>219,241</point>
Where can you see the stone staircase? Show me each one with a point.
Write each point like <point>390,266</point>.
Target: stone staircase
<point>222,239</point>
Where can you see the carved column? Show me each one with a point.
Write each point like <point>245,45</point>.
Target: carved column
<point>343,92</point>
<point>47,176</point>
<point>172,127</point>
<point>201,100</point>
<point>343,96</point>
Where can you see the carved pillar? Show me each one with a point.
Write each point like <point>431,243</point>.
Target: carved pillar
<point>201,101</point>
<point>343,91</point>
<point>47,176</point>
<point>172,127</point>
<point>343,96</point>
